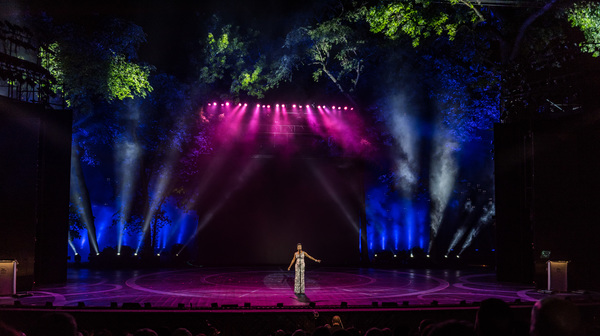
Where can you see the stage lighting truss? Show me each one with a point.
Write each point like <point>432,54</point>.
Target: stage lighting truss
<point>282,119</point>
<point>290,108</point>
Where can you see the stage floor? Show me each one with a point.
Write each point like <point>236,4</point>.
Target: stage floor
<point>269,286</point>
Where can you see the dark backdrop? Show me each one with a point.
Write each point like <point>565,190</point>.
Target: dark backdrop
<point>260,207</point>
<point>35,156</point>
<point>547,185</point>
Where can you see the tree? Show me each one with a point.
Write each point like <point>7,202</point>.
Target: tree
<point>233,63</point>
<point>92,66</point>
<point>157,127</point>
<point>520,44</point>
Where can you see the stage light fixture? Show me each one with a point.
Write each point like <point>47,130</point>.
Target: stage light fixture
<point>147,305</point>
<point>181,306</point>
<point>389,304</point>
<point>312,304</point>
<point>344,304</point>
<point>434,303</point>
<point>405,303</point>
<point>463,303</point>
<point>345,107</point>
<point>227,104</point>
<point>80,304</point>
<point>279,305</point>
<point>214,305</point>
<point>374,304</point>
<point>294,105</point>
<point>48,305</point>
<point>246,304</point>
<point>114,305</point>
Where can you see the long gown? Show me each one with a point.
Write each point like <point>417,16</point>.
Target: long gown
<point>299,276</point>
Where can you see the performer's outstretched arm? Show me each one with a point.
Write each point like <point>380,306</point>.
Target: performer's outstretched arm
<point>293,259</point>
<point>311,258</point>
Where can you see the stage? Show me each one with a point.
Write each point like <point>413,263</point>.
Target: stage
<point>260,300</point>
<point>269,286</point>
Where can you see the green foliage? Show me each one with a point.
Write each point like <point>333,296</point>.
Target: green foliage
<point>96,66</point>
<point>50,61</point>
<point>127,79</point>
<point>418,19</point>
<point>334,49</point>
<point>334,41</point>
<point>586,17</point>
<point>233,60</point>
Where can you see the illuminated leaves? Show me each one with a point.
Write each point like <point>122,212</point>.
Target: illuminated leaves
<point>586,16</point>
<point>234,61</point>
<point>416,19</point>
<point>96,67</point>
<point>224,51</point>
<point>127,79</point>
<point>334,49</point>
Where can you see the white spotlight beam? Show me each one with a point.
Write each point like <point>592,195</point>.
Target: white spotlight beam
<point>127,156</point>
<point>442,177</point>
<point>485,219</point>
<point>334,195</point>
<point>236,184</point>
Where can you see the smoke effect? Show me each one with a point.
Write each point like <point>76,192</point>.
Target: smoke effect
<point>127,157</point>
<point>404,129</point>
<point>80,198</point>
<point>443,173</point>
<point>461,231</point>
<point>334,195</point>
<point>233,187</point>
<point>488,213</point>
